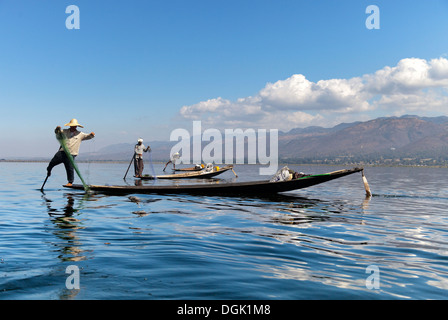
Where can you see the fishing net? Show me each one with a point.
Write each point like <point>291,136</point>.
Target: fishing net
<point>60,136</point>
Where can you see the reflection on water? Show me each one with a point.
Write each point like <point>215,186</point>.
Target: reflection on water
<point>280,237</point>
<point>67,224</point>
<point>315,243</point>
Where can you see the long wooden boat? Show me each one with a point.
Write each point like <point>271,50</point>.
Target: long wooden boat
<point>198,168</point>
<point>238,188</point>
<point>203,174</point>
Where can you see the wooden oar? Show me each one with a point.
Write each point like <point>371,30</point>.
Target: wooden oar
<point>133,156</point>
<point>42,188</point>
<point>366,185</point>
<point>234,173</point>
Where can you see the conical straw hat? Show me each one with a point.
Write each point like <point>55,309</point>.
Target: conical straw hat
<point>73,123</point>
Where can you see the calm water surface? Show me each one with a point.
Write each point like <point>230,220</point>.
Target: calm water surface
<point>315,243</point>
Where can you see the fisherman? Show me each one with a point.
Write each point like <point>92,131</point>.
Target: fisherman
<point>138,152</point>
<point>173,159</point>
<point>74,138</point>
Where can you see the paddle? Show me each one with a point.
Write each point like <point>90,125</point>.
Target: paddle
<point>133,156</point>
<point>42,188</point>
<point>366,185</point>
<point>62,141</point>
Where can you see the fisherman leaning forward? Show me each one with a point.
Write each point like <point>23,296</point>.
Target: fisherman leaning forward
<point>74,138</point>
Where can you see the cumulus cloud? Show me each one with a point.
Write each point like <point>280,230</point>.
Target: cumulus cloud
<point>409,76</point>
<point>413,85</point>
<point>297,92</point>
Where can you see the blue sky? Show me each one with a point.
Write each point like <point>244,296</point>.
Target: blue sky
<point>143,68</point>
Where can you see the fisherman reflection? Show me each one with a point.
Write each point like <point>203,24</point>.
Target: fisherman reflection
<point>66,227</point>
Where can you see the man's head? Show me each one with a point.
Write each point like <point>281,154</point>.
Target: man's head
<point>73,124</point>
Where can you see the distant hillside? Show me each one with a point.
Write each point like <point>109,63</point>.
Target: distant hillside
<point>404,136</point>
<point>407,139</point>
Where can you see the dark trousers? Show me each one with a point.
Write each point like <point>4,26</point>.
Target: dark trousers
<point>61,157</point>
<point>138,167</point>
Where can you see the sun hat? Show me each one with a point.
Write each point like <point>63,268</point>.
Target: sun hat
<point>73,123</point>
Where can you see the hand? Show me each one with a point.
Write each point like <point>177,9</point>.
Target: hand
<point>92,134</point>
<point>57,130</point>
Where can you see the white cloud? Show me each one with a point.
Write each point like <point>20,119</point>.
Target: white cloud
<point>422,101</point>
<point>212,105</point>
<point>409,76</point>
<point>413,85</point>
<point>298,93</point>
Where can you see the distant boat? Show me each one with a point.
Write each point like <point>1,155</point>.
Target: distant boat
<point>208,172</point>
<point>238,188</point>
<point>195,168</point>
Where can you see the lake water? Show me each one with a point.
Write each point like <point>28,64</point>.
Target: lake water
<point>324,242</point>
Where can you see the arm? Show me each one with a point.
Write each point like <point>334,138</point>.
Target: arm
<point>61,132</point>
<point>88,136</point>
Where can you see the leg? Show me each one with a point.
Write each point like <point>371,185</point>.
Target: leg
<point>57,159</point>
<point>136,167</point>
<point>140,167</point>
<point>69,169</point>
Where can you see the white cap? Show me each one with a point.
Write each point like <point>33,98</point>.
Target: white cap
<point>140,140</point>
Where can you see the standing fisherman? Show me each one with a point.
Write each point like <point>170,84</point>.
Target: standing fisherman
<point>74,138</point>
<point>138,153</point>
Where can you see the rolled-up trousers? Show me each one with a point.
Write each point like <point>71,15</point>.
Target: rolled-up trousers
<point>61,157</point>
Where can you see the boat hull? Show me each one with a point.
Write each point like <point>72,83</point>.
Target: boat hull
<point>238,188</point>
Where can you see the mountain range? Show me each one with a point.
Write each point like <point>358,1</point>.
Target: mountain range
<point>402,139</point>
<point>397,138</point>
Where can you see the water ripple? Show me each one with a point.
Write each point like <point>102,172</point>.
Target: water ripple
<point>312,244</point>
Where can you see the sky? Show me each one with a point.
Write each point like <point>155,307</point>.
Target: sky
<point>143,68</point>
